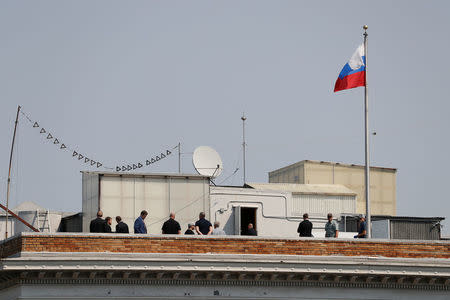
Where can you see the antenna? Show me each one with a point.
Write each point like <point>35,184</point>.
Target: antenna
<point>207,161</point>
<point>243,118</point>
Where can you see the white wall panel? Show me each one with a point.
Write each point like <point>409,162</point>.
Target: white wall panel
<point>128,195</point>
<point>321,205</point>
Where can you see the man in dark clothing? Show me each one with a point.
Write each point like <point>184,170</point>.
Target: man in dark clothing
<point>108,222</point>
<point>250,230</point>
<point>203,226</point>
<point>362,232</point>
<point>190,229</point>
<point>171,226</point>
<point>305,227</point>
<point>121,227</point>
<point>98,224</point>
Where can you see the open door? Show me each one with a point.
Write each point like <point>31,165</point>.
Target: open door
<point>237,220</point>
<point>248,215</point>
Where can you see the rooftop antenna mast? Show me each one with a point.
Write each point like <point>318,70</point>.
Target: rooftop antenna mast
<point>9,171</point>
<point>179,157</point>
<point>243,118</point>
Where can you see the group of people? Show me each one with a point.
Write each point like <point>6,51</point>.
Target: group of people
<point>104,225</point>
<point>201,227</point>
<point>331,230</point>
<point>171,226</point>
<point>204,227</point>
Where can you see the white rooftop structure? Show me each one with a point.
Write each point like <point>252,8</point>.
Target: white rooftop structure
<point>28,206</point>
<point>322,189</point>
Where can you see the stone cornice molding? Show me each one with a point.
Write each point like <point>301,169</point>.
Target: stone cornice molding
<point>211,269</point>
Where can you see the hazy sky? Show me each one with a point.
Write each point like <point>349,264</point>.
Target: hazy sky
<point>121,80</point>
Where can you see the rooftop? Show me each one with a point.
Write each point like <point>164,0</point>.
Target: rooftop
<point>333,164</point>
<point>323,189</point>
<point>154,175</point>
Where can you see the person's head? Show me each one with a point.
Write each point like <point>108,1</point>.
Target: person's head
<point>99,214</point>
<point>118,219</point>
<point>330,216</point>
<point>201,215</point>
<point>144,213</point>
<point>108,220</point>
<point>361,218</point>
<point>172,215</point>
<point>216,224</point>
<point>305,216</point>
<point>191,226</point>
<point>250,226</point>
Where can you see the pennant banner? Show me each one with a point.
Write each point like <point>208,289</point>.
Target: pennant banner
<point>95,163</point>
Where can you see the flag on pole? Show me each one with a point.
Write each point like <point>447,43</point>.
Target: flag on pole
<point>353,74</point>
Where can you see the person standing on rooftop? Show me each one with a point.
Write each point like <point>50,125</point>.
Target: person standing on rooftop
<point>139,225</point>
<point>305,227</point>
<point>190,230</point>
<point>217,230</point>
<point>121,227</point>
<point>330,227</point>
<point>171,226</point>
<point>98,224</point>
<point>362,230</point>
<point>203,226</point>
<point>107,224</point>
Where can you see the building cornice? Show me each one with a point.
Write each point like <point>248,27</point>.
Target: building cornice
<point>234,270</point>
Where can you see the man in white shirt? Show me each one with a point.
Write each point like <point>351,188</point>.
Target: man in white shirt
<point>217,230</point>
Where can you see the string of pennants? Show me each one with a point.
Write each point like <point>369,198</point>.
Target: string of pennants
<point>147,162</point>
<point>88,160</point>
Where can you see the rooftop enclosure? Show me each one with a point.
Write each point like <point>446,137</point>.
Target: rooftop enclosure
<point>397,227</point>
<point>382,182</point>
<point>315,199</point>
<point>126,195</point>
<point>277,209</point>
<point>40,218</point>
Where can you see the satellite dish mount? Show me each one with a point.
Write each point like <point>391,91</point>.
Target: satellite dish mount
<point>207,162</point>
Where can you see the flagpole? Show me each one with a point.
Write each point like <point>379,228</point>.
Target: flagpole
<point>366,119</point>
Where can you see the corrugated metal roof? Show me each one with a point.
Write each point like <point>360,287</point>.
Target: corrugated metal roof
<point>162,175</point>
<point>323,189</point>
<point>407,218</point>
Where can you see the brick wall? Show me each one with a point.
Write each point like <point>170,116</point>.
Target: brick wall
<point>225,245</point>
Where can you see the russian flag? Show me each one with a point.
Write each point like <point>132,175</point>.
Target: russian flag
<point>353,74</point>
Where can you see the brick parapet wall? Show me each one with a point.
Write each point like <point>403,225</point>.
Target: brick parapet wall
<point>31,242</point>
<point>11,246</point>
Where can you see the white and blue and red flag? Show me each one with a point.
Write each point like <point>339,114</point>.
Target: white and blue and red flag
<point>353,74</point>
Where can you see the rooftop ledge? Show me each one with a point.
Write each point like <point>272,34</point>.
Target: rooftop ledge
<point>181,244</point>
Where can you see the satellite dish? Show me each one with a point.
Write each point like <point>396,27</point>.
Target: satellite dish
<point>207,161</point>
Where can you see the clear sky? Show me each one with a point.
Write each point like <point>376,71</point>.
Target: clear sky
<point>119,81</point>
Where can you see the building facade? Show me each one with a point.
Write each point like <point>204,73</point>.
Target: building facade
<point>118,266</point>
<point>382,182</point>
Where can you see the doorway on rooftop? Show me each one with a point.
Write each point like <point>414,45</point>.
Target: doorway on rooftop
<point>248,215</point>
